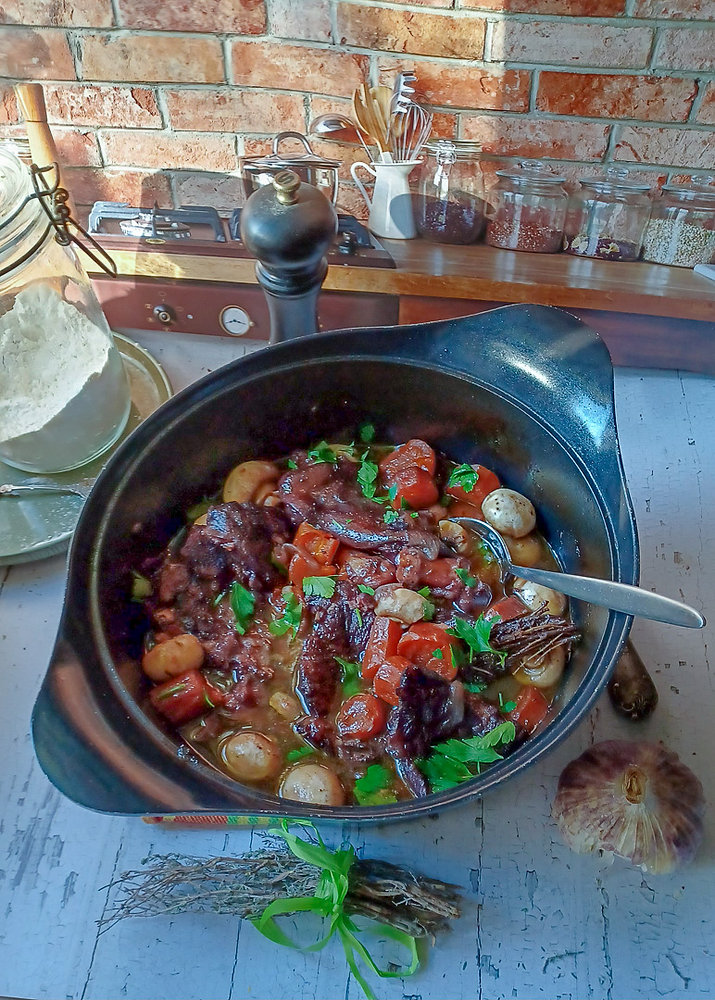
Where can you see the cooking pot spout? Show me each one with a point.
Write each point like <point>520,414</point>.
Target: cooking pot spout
<point>288,226</point>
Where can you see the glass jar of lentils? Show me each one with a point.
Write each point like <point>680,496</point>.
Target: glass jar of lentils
<point>449,206</point>
<point>681,230</point>
<point>528,209</point>
<point>607,217</point>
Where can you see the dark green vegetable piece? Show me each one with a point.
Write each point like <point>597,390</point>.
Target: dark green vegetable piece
<point>243,605</point>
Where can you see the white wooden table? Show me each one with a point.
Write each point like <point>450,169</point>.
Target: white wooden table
<point>538,920</point>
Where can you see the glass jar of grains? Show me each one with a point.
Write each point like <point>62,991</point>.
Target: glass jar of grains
<point>607,217</point>
<point>528,209</point>
<point>681,230</point>
<point>449,205</point>
<point>64,394</point>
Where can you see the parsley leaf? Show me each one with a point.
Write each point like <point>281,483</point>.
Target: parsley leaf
<point>366,590</point>
<point>358,615</point>
<point>465,576</point>
<point>290,619</point>
<point>428,610</point>
<point>293,755</point>
<point>291,464</point>
<point>456,761</point>
<point>390,516</point>
<point>506,706</point>
<point>318,586</point>
<point>141,587</point>
<point>476,687</point>
<point>350,676</point>
<point>465,476</point>
<point>476,636</point>
<point>243,605</point>
<point>372,788</point>
<point>438,654</point>
<point>367,476</point>
<point>322,452</point>
<point>424,592</point>
<point>367,433</point>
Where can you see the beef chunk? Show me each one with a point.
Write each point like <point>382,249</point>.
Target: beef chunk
<point>318,732</point>
<point>318,670</point>
<point>480,715</point>
<point>428,711</point>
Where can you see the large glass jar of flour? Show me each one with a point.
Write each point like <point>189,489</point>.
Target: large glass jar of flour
<point>64,394</point>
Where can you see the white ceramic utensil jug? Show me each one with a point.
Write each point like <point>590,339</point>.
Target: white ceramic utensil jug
<point>391,213</point>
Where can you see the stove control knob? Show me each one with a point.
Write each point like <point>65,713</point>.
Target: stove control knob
<point>165,315</point>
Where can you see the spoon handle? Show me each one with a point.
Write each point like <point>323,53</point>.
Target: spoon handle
<point>616,596</point>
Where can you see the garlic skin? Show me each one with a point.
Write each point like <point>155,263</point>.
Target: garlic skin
<point>634,800</point>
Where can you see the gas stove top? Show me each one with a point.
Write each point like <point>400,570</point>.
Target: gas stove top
<point>199,229</point>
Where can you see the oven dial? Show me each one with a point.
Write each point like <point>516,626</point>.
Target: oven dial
<point>165,315</point>
<point>235,321</point>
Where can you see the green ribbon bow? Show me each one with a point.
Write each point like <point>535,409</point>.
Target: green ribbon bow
<point>328,902</point>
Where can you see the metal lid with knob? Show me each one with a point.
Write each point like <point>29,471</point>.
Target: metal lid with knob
<point>289,226</point>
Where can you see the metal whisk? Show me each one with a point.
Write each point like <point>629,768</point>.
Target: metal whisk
<point>409,131</point>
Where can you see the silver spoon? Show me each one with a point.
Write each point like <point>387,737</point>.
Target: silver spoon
<point>605,593</point>
<point>8,490</point>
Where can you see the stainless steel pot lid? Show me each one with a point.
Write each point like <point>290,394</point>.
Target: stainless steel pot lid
<point>278,161</point>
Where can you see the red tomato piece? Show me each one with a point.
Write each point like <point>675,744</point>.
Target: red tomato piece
<point>487,482</point>
<point>388,677</point>
<point>531,709</point>
<point>384,637</point>
<point>507,608</point>
<point>184,697</point>
<point>361,716</point>
<point>416,487</point>
<point>420,644</point>
<point>300,567</point>
<point>319,544</point>
<point>412,454</point>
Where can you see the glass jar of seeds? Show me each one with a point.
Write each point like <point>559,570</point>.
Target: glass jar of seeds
<point>681,230</point>
<point>607,217</point>
<point>528,207</point>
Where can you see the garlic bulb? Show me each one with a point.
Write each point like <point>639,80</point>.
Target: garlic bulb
<point>634,800</point>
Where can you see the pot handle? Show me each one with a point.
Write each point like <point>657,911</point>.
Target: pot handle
<point>292,135</point>
<point>361,186</point>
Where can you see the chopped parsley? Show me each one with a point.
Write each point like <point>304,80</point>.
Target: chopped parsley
<point>465,476</point>
<point>293,755</point>
<point>466,577</point>
<point>428,610</point>
<point>424,592</point>
<point>438,654</point>
<point>372,788</point>
<point>367,433</point>
<point>291,464</point>
<point>390,516</point>
<point>414,513</point>
<point>456,761</point>
<point>243,605</point>
<point>141,587</point>
<point>358,615</point>
<point>322,453</point>
<point>367,476</point>
<point>366,590</point>
<point>350,676</point>
<point>318,586</point>
<point>290,619</point>
<point>476,687</point>
<point>476,636</point>
<point>506,706</point>
<point>218,598</point>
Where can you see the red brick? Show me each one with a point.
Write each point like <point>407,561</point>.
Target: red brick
<point>296,19</point>
<point>84,104</point>
<point>443,4</point>
<point>663,99</point>
<point>351,202</point>
<point>8,106</point>
<point>571,43</point>
<point>452,86</point>
<point>169,150</point>
<point>247,17</point>
<point>407,31</point>
<point>558,138</point>
<point>572,8</point>
<point>675,9</point>
<point>298,67</point>
<point>35,54</point>
<point>223,192</point>
<point>677,147</point>
<point>235,111</point>
<point>137,187</point>
<point>60,13</point>
<point>152,58</point>
<point>686,48</point>
<point>76,146</point>
<point>706,114</point>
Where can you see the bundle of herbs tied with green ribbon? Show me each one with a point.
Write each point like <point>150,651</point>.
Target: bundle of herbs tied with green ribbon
<point>337,886</point>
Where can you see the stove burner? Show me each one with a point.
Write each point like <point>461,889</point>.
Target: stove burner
<point>153,225</point>
<point>156,225</point>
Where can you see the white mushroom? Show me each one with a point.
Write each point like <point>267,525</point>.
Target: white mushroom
<point>457,536</point>
<point>264,491</point>
<point>509,512</point>
<point>313,783</point>
<point>251,756</point>
<point>534,595</point>
<point>546,672</point>
<point>285,705</point>
<point>243,481</point>
<point>526,551</point>
<point>173,657</point>
<point>400,604</point>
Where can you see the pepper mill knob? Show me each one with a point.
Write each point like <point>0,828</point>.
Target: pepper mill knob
<point>288,226</point>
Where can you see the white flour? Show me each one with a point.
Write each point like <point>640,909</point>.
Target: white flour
<point>63,391</point>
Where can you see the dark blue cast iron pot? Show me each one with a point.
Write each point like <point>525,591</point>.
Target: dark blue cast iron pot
<point>525,390</point>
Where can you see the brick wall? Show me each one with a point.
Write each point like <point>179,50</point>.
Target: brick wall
<point>153,100</point>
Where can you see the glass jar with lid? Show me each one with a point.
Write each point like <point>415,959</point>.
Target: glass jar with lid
<point>607,217</point>
<point>449,204</point>
<point>528,209</point>
<point>64,393</point>
<point>681,229</point>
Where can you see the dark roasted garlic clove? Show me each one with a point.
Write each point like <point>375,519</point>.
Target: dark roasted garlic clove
<point>634,800</point>
<point>631,687</point>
